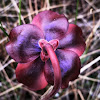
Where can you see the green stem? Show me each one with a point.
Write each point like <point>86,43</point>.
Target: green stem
<point>1,27</point>
<point>19,12</point>
<point>76,11</point>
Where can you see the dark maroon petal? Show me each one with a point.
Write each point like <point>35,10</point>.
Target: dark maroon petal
<point>32,74</point>
<point>23,45</point>
<point>52,24</point>
<point>70,67</point>
<point>73,40</point>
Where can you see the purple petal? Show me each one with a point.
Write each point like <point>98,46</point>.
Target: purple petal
<point>73,40</point>
<point>23,45</point>
<point>70,67</point>
<point>32,74</point>
<point>52,24</point>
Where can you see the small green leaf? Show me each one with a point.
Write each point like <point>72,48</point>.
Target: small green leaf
<point>1,27</point>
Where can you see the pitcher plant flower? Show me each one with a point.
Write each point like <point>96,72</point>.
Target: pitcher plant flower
<point>47,52</point>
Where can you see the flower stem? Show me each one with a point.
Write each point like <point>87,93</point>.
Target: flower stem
<point>19,12</point>
<point>76,11</point>
<point>57,73</point>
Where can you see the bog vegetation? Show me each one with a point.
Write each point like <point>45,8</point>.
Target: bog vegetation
<point>84,13</point>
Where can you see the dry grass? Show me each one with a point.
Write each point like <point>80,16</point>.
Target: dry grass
<point>87,86</point>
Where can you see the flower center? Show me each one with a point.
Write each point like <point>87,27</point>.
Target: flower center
<point>42,42</point>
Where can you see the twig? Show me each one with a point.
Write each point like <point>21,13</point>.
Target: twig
<point>33,93</point>
<point>48,4</point>
<point>51,7</point>
<point>84,15</point>
<point>4,39</point>
<point>90,64</point>
<point>8,7</point>
<point>92,71</point>
<point>30,10</point>
<point>36,8</point>
<point>91,4</point>
<point>9,62</point>
<point>90,53</point>
<point>90,79</point>
<point>11,89</point>
<point>46,93</point>
<point>80,93</point>
<point>91,91</point>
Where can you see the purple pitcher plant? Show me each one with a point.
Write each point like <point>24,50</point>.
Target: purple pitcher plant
<point>47,52</point>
